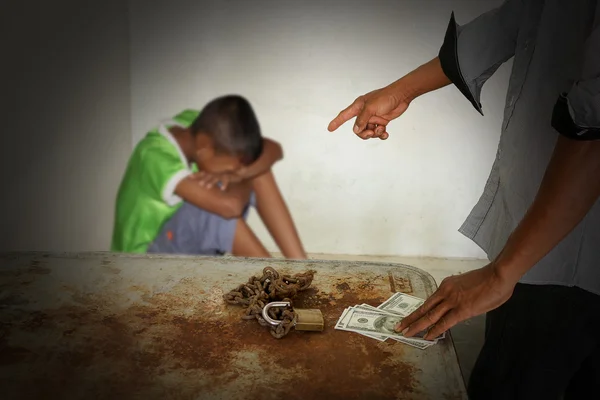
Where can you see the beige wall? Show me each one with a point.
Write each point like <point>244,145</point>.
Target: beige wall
<point>66,115</point>
<point>69,127</point>
<point>299,63</point>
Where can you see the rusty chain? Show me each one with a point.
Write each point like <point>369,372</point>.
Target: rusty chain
<point>271,286</point>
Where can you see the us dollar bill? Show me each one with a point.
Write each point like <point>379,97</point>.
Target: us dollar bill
<point>344,319</point>
<point>418,343</point>
<point>404,305</point>
<point>401,304</point>
<point>375,323</point>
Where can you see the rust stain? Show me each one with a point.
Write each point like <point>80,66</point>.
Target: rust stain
<point>405,285</point>
<point>155,349</point>
<point>392,283</point>
<point>35,267</point>
<point>399,284</point>
<point>34,321</point>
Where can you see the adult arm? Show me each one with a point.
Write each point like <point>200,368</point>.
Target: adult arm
<point>473,52</point>
<point>571,184</point>
<point>470,54</point>
<point>570,187</point>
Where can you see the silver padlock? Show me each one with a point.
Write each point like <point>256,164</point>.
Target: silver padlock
<point>306,319</point>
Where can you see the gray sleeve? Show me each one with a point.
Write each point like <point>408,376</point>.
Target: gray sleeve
<point>577,113</point>
<point>471,53</point>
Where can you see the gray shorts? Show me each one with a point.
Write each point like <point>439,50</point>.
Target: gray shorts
<point>194,231</point>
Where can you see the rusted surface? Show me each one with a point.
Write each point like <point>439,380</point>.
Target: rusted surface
<point>107,326</point>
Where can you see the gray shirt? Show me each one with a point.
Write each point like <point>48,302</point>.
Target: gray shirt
<point>554,90</point>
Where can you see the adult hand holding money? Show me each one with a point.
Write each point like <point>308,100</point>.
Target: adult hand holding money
<point>458,298</point>
<point>379,322</point>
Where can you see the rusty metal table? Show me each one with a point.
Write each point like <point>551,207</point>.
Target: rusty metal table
<point>110,326</point>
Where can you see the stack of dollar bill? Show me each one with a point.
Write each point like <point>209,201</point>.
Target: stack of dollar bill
<point>379,322</point>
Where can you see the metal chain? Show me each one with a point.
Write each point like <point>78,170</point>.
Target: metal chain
<point>271,286</point>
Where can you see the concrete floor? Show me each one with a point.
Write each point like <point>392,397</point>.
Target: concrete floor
<point>468,335</point>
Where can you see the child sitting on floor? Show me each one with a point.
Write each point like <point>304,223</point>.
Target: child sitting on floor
<point>189,184</point>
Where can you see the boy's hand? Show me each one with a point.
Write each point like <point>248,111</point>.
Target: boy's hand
<point>209,180</point>
<point>272,152</point>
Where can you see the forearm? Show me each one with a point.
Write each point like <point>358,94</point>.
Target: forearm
<point>240,191</point>
<point>427,78</point>
<point>272,152</point>
<point>569,189</point>
<point>228,204</point>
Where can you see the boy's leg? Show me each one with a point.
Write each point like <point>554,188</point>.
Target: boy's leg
<point>192,230</point>
<point>277,218</point>
<point>246,244</point>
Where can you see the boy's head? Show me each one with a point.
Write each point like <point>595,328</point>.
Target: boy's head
<point>226,135</point>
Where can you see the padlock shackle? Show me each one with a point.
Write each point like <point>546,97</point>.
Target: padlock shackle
<point>266,308</point>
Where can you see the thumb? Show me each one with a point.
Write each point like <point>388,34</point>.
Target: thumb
<point>363,118</point>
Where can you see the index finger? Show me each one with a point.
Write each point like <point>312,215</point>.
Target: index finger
<point>420,312</point>
<point>444,324</point>
<point>349,112</point>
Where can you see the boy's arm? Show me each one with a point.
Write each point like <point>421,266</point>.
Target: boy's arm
<point>272,152</point>
<point>228,204</point>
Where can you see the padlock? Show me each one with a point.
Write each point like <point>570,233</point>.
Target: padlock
<point>309,320</point>
<point>306,319</point>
